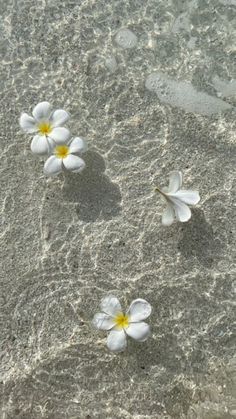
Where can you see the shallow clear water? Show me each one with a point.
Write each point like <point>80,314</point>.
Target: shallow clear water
<point>151,85</point>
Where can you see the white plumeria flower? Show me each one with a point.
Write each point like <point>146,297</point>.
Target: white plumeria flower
<point>47,125</point>
<point>131,323</point>
<point>64,157</point>
<point>177,200</point>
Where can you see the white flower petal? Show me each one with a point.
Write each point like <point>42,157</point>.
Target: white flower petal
<point>60,135</point>
<point>111,305</point>
<point>165,189</point>
<point>138,331</point>
<point>53,166</point>
<point>59,117</point>
<point>51,145</point>
<point>42,111</point>
<point>78,145</point>
<point>103,321</point>
<point>139,310</point>
<point>168,215</point>
<point>28,123</point>
<point>74,163</point>
<point>116,340</point>
<point>39,145</point>
<point>175,181</point>
<point>182,211</point>
<point>188,197</point>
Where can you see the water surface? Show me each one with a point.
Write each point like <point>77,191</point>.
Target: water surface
<point>151,86</point>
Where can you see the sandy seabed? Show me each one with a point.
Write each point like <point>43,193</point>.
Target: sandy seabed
<point>151,86</point>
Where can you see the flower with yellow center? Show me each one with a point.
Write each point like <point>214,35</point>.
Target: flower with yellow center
<point>61,151</point>
<point>65,157</point>
<point>121,320</point>
<point>177,200</point>
<point>45,128</point>
<point>47,125</point>
<point>122,324</point>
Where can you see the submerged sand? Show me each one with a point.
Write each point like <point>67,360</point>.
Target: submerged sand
<point>67,242</point>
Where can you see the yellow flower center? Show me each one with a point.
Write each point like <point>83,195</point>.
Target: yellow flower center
<point>61,151</point>
<point>44,128</point>
<point>121,320</point>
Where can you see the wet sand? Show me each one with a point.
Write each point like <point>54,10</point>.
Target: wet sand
<point>151,86</point>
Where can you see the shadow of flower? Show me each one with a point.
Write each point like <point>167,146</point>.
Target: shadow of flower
<point>198,240</point>
<point>96,196</point>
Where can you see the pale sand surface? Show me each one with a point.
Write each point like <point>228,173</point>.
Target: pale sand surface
<point>158,98</point>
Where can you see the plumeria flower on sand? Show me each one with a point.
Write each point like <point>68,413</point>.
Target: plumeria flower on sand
<point>46,124</point>
<point>122,324</point>
<point>177,200</point>
<point>64,157</point>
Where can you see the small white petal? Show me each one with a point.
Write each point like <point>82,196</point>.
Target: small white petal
<point>51,145</point>
<point>182,211</point>
<point>168,215</point>
<point>116,340</point>
<point>39,145</point>
<point>28,123</point>
<point>103,321</point>
<point>60,135</point>
<point>59,117</point>
<point>111,305</point>
<point>188,197</point>
<point>52,166</point>
<point>138,331</point>
<point>165,189</point>
<point>139,310</point>
<point>175,181</point>
<point>78,145</point>
<point>42,111</point>
<point>74,163</point>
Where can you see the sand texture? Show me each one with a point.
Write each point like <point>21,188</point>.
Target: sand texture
<point>151,86</point>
